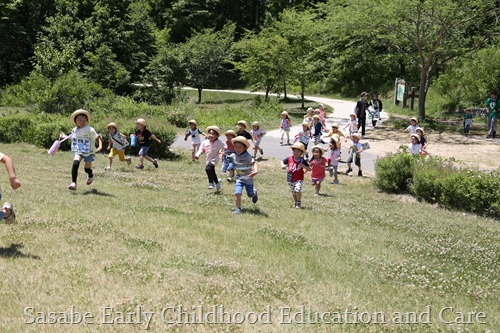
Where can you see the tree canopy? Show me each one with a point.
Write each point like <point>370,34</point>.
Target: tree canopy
<point>337,45</point>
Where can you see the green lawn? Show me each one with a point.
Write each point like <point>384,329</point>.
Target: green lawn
<point>158,240</point>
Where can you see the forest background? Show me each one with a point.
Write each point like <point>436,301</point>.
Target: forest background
<point>103,47</point>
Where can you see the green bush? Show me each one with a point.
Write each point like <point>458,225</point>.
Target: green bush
<point>457,188</point>
<point>394,173</point>
<point>441,181</point>
<point>16,129</point>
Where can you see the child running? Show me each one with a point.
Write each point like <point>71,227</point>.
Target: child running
<point>144,137</point>
<point>352,124</point>
<point>285,126</point>
<point>318,166</point>
<point>412,128</point>
<point>116,145</point>
<point>304,136</point>
<point>7,212</point>
<point>334,158</point>
<point>194,132</point>
<point>355,154</point>
<point>295,166</point>
<point>211,147</point>
<point>257,135</point>
<point>246,169</point>
<point>227,164</point>
<point>83,139</point>
<point>242,130</point>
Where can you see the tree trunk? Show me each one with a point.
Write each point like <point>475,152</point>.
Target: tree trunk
<point>199,94</point>
<point>422,92</point>
<point>284,88</point>
<point>302,88</point>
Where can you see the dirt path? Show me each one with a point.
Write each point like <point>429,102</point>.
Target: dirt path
<point>474,151</point>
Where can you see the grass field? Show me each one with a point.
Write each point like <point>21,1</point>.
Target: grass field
<point>158,241</point>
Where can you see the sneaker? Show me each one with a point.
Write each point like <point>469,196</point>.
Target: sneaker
<point>316,193</point>
<point>360,173</point>
<point>237,211</point>
<point>217,187</point>
<point>107,168</point>
<point>155,163</point>
<point>363,137</point>
<point>229,179</point>
<point>336,181</point>
<point>297,205</point>
<point>281,142</point>
<point>347,171</point>
<point>261,151</point>
<point>210,186</point>
<point>129,160</point>
<point>72,187</point>
<point>255,197</point>
<point>89,180</point>
<point>138,166</point>
<point>9,215</point>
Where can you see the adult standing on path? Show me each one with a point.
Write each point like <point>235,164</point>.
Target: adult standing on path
<point>361,107</point>
<point>493,107</point>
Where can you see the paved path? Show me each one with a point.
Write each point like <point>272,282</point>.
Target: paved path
<point>271,142</point>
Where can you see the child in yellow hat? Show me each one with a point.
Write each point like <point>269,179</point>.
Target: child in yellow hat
<point>116,145</point>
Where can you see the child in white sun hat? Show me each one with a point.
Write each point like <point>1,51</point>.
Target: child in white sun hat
<point>83,138</point>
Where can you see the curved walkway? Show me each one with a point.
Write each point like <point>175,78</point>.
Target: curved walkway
<point>341,111</point>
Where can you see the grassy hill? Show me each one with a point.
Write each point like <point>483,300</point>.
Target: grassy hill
<point>159,241</point>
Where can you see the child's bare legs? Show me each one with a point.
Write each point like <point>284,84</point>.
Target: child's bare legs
<point>237,199</point>
<point>317,187</point>
<point>194,149</point>
<point>296,197</point>
<point>287,137</point>
<point>110,162</point>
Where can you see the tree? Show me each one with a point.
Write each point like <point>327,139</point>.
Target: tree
<point>20,21</point>
<point>109,41</point>
<point>301,33</point>
<point>204,55</point>
<point>263,60</point>
<point>433,32</point>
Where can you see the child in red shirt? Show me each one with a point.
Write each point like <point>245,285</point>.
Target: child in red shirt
<point>295,166</point>
<point>318,165</point>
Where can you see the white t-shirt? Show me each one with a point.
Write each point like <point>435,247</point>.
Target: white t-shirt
<point>83,140</point>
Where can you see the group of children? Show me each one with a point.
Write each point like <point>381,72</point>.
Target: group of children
<point>235,159</point>
<point>83,145</point>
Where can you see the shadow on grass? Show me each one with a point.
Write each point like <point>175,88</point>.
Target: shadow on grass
<point>254,211</point>
<point>13,252</point>
<point>97,192</point>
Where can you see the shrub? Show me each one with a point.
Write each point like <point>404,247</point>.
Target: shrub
<point>457,188</point>
<point>441,181</point>
<point>394,173</point>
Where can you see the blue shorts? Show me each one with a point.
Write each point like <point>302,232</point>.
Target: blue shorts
<point>144,150</point>
<point>227,165</point>
<point>238,188</point>
<point>86,159</point>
